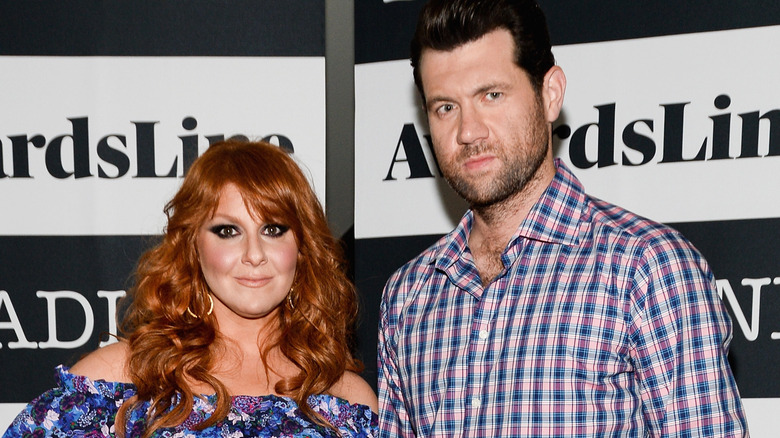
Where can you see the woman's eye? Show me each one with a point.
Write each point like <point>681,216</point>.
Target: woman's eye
<point>224,231</point>
<point>275,230</point>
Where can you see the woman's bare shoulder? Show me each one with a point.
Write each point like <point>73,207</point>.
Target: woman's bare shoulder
<point>106,363</point>
<point>354,389</point>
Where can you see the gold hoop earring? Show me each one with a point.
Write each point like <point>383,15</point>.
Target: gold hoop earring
<point>289,298</point>
<point>211,307</point>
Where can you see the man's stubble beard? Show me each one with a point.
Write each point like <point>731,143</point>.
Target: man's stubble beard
<point>522,160</point>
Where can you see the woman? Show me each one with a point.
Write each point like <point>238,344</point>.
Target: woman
<point>239,321</point>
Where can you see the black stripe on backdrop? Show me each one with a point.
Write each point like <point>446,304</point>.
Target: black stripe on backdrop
<point>81,264</point>
<point>163,28</point>
<point>747,249</point>
<point>735,250</point>
<point>383,30</point>
<point>375,261</point>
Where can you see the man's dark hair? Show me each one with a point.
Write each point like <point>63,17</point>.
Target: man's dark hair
<point>447,24</point>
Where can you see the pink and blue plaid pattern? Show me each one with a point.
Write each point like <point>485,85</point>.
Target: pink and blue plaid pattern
<point>602,324</point>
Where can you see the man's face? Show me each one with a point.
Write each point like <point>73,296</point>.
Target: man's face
<point>489,129</point>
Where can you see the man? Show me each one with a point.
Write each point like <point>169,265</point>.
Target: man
<point>546,312</point>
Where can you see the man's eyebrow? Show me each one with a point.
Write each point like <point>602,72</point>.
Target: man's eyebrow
<point>429,101</point>
<point>489,87</point>
<point>436,99</point>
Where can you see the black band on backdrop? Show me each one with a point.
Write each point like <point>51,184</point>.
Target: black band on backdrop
<point>383,30</point>
<point>735,250</point>
<point>163,28</point>
<point>82,264</point>
<point>739,249</point>
<point>378,259</point>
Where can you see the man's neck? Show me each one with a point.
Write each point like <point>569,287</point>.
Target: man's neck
<point>494,225</point>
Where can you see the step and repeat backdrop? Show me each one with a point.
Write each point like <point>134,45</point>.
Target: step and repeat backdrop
<point>672,111</point>
<point>103,107</point>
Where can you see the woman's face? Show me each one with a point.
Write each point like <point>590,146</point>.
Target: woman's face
<point>249,266</point>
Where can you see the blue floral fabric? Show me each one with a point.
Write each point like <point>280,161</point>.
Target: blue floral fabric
<point>80,407</point>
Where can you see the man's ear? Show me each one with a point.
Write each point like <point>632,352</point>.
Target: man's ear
<point>553,89</point>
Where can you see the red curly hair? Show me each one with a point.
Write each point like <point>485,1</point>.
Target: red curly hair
<point>168,345</point>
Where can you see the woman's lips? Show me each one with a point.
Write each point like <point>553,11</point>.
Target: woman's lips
<point>253,281</point>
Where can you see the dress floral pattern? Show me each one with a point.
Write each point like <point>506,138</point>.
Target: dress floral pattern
<point>79,407</point>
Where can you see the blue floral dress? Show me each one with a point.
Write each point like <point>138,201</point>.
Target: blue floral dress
<point>79,407</point>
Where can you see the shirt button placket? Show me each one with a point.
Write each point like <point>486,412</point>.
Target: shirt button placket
<point>476,377</point>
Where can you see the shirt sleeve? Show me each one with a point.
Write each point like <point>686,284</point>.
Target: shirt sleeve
<point>681,334</point>
<point>75,407</point>
<point>352,420</point>
<point>393,416</point>
<point>59,412</point>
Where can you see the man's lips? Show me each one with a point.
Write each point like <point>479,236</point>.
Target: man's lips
<point>477,162</point>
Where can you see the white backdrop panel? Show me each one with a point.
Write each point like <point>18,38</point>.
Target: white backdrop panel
<point>403,206</point>
<point>113,96</point>
<point>638,77</point>
<point>9,411</point>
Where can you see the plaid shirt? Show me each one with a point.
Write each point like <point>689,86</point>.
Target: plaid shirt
<point>602,323</point>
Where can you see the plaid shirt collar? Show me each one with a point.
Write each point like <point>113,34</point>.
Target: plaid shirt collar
<point>555,218</point>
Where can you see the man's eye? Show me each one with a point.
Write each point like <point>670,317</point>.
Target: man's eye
<point>275,230</point>
<point>493,95</point>
<point>224,231</point>
<point>444,109</point>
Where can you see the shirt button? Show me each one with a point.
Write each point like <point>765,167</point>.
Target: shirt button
<point>483,334</point>
<point>476,402</point>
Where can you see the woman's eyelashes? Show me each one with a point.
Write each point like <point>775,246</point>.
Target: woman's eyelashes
<point>226,231</point>
<point>275,230</point>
